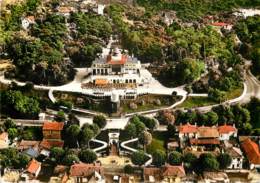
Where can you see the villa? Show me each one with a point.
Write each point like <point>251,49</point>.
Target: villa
<point>116,67</point>
<point>116,75</point>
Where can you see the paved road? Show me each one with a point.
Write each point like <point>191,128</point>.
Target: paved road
<point>253,87</point>
<point>25,122</point>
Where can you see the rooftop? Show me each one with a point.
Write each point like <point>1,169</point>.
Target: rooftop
<point>85,170</point>
<point>53,126</point>
<point>226,129</point>
<point>219,24</point>
<point>188,128</point>
<point>252,151</point>
<point>234,152</point>
<point>26,144</point>
<point>208,132</point>
<point>204,141</point>
<point>166,171</point>
<point>176,171</point>
<point>48,144</point>
<point>33,166</point>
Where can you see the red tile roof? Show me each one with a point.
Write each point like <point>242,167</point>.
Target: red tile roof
<point>48,144</point>
<point>26,144</point>
<point>252,151</point>
<point>33,166</point>
<point>115,62</point>
<point>221,24</point>
<point>226,129</point>
<point>175,171</point>
<point>85,170</point>
<point>53,126</point>
<point>204,141</point>
<point>208,132</point>
<point>188,128</point>
<point>152,171</point>
<point>167,170</point>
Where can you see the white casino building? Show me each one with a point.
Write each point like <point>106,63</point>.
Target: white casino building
<point>116,67</point>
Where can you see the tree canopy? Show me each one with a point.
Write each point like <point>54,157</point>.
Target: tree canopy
<point>175,158</point>
<point>18,105</point>
<point>139,158</point>
<point>159,158</point>
<point>87,156</point>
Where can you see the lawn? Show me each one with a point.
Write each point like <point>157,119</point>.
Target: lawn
<point>191,102</point>
<point>234,93</point>
<point>158,142</point>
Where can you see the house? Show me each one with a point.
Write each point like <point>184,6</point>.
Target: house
<point>52,130</point>
<point>168,173</point>
<point>4,141</point>
<point>27,21</point>
<point>227,131</point>
<point>46,146</point>
<point>100,9</point>
<point>27,144</point>
<point>51,136</point>
<point>126,179</point>
<point>83,173</point>
<point>66,11</point>
<point>173,145</point>
<point>33,169</point>
<point>152,174</point>
<point>252,152</point>
<point>29,147</point>
<point>222,25</point>
<point>206,137</point>
<point>171,173</point>
<point>216,177</point>
<point>168,17</point>
<point>237,157</point>
<point>187,131</point>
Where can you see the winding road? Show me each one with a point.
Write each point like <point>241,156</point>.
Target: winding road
<point>251,89</point>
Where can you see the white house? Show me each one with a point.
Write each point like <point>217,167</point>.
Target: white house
<point>27,21</point>
<point>237,158</point>
<point>187,131</point>
<point>100,9</point>
<point>227,131</point>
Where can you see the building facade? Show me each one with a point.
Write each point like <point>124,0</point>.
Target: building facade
<point>116,67</point>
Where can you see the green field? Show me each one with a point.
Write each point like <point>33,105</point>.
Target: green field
<point>159,139</point>
<point>234,93</point>
<point>191,102</point>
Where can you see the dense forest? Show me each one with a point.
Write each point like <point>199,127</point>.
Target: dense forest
<point>248,32</point>
<point>188,10</point>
